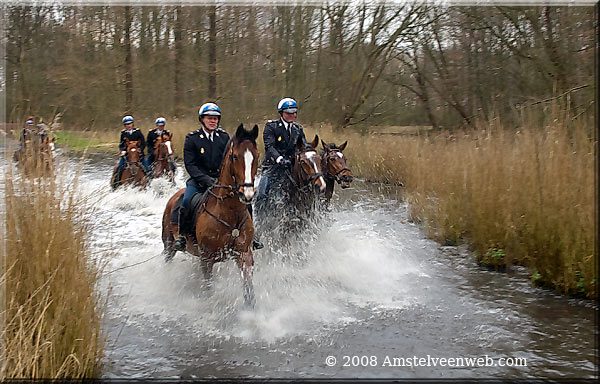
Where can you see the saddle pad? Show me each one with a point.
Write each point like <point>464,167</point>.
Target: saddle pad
<point>175,211</point>
<point>195,203</point>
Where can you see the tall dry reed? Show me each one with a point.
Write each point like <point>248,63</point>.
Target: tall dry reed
<point>516,196</point>
<point>52,308</point>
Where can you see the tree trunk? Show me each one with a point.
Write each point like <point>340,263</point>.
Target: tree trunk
<point>177,97</point>
<point>128,62</point>
<point>212,53</point>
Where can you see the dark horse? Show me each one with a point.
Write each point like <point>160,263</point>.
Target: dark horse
<point>335,168</point>
<point>133,172</point>
<point>223,225</point>
<point>293,200</point>
<point>162,156</point>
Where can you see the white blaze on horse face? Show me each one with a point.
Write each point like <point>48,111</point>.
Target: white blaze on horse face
<point>310,156</point>
<point>133,149</point>
<point>340,155</point>
<point>52,146</point>
<point>248,159</point>
<point>168,144</point>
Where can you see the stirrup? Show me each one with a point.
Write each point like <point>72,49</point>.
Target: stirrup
<point>179,244</point>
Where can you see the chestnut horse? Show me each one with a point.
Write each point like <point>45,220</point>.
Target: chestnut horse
<point>307,176</point>
<point>162,157</point>
<point>36,156</point>
<point>223,224</point>
<point>335,167</point>
<point>133,172</point>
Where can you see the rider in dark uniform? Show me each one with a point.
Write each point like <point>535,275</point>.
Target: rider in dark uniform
<point>203,153</point>
<point>131,133</point>
<point>280,137</point>
<point>151,138</point>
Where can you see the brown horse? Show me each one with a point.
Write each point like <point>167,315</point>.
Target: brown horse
<point>162,156</point>
<point>223,225</point>
<point>133,172</point>
<point>36,156</point>
<point>47,155</point>
<point>335,167</point>
<point>307,176</point>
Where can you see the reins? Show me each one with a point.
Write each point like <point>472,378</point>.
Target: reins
<point>235,230</point>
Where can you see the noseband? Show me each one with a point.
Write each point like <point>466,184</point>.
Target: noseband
<point>307,179</point>
<point>336,176</point>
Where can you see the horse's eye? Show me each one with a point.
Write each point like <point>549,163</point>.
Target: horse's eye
<point>235,157</point>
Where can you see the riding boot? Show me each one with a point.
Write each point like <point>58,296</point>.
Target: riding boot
<point>256,244</point>
<point>183,230</point>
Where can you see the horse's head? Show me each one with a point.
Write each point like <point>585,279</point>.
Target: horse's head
<point>307,164</point>
<point>243,158</point>
<point>334,163</point>
<point>162,146</point>
<point>133,150</point>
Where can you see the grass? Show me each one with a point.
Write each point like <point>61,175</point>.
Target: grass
<point>516,196</point>
<point>52,308</point>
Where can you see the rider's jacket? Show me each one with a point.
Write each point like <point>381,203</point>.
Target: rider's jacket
<point>137,135</point>
<point>280,141</point>
<point>202,156</point>
<point>151,138</point>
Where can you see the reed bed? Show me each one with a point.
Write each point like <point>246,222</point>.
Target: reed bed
<point>52,306</point>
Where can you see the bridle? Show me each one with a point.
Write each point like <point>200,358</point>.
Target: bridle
<point>336,176</point>
<point>303,175</point>
<point>235,229</point>
<point>129,164</point>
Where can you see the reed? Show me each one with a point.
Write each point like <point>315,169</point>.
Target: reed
<point>52,306</point>
<point>516,196</point>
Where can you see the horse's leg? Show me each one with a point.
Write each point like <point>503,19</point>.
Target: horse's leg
<point>245,262</point>
<point>167,238</point>
<point>207,268</point>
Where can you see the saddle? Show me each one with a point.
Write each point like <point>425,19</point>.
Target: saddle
<point>195,203</point>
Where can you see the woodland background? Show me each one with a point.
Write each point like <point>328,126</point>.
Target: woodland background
<point>348,66</point>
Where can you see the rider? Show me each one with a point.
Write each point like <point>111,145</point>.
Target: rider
<point>203,153</point>
<point>280,137</point>
<point>28,129</point>
<point>151,138</point>
<point>131,133</point>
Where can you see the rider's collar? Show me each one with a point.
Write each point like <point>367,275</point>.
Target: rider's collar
<point>210,135</point>
<point>286,124</point>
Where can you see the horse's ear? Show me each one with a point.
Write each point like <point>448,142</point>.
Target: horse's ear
<point>315,142</point>
<point>126,141</point>
<point>254,132</point>
<point>170,135</point>
<point>300,143</point>
<point>343,146</point>
<point>240,131</point>
<point>325,146</point>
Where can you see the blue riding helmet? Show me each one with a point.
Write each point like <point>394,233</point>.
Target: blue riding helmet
<point>161,121</point>
<point>209,109</point>
<point>127,120</point>
<point>288,105</point>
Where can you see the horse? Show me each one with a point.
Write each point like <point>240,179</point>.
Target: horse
<point>36,154</point>
<point>335,167</point>
<point>133,172</point>
<point>223,225</point>
<point>162,157</point>
<point>46,155</point>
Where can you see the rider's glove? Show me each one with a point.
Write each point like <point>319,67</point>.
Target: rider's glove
<point>123,153</point>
